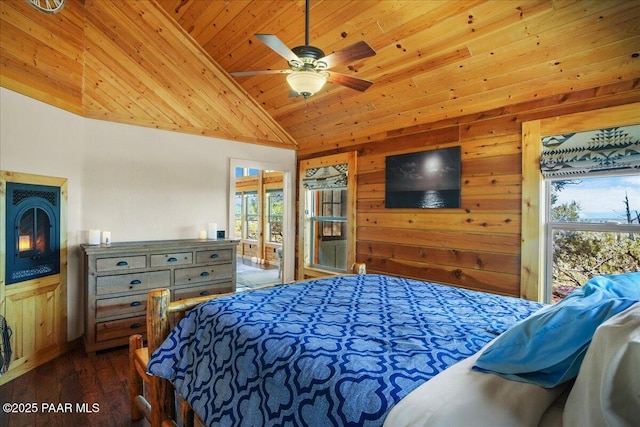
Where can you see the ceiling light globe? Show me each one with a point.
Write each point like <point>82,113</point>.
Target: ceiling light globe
<point>306,83</point>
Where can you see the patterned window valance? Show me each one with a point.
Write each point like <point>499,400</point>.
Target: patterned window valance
<point>593,151</point>
<point>326,177</point>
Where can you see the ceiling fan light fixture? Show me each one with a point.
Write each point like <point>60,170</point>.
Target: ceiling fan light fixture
<point>308,64</point>
<point>306,83</point>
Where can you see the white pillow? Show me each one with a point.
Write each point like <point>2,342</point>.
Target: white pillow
<point>460,396</point>
<point>607,389</point>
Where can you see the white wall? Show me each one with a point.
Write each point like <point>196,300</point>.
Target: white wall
<point>139,183</point>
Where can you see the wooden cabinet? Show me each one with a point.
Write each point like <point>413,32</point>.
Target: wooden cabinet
<point>35,309</point>
<point>118,277</point>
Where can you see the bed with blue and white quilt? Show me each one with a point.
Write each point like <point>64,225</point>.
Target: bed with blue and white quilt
<point>347,351</point>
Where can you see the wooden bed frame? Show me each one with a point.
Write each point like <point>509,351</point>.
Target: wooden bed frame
<point>153,397</point>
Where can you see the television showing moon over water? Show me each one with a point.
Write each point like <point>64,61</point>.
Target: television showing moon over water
<point>429,179</point>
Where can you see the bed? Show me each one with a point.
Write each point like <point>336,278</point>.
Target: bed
<point>354,350</point>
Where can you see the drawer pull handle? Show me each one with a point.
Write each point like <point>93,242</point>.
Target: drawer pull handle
<point>135,282</point>
<point>135,303</point>
<point>204,293</point>
<point>122,264</point>
<point>204,274</point>
<point>172,259</point>
<point>135,326</point>
<point>214,256</point>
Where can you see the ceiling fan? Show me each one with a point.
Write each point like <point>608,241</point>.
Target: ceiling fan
<point>308,65</point>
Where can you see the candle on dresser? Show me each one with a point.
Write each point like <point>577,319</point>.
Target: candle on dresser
<point>94,237</point>
<point>212,231</point>
<point>203,234</point>
<point>106,238</point>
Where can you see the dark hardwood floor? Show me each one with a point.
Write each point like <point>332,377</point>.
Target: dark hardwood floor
<point>72,390</point>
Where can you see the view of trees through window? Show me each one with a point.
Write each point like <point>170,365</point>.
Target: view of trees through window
<point>247,215</point>
<point>594,226</point>
<point>238,215</point>
<point>252,215</point>
<point>275,211</point>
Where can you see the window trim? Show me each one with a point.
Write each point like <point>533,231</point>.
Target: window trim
<point>533,233</point>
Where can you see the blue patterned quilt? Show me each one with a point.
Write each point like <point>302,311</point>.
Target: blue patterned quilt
<point>330,352</point>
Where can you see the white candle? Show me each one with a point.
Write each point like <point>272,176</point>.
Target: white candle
<point>212,231</point>
<point>94,237</point>
<point>106,238</point>
<point>203,234</point>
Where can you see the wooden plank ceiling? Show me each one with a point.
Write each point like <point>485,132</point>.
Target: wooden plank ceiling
<point>127,62</point>
<point>435,59</point>
<point>141,68</point>
<point>165,63</point>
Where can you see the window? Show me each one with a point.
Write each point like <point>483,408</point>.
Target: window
<point>593,229</point>
<point>327,214</point>
<point>536,230</point>
<point>275,209</point>
<point>333,213</point>
<point>240,172</point>
<point>252,215</point>
<point>327,232</point>
<point>238,215</point>
<point>247,215</point>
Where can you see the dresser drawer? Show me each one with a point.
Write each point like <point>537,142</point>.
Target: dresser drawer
<point>133,304</point>
<point>120,328</point>
<point>204,290</point>
<point>205,273</point>
<point>217,255</point>
<point>121,263</point>
<point>161,260</point>
<point>132,282</point>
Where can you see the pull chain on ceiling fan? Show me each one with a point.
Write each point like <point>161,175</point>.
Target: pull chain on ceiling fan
<point>308,65</point>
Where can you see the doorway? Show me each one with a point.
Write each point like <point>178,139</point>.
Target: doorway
<point>261,217</point>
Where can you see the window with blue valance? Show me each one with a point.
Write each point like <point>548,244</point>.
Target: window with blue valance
<point>572,154</point>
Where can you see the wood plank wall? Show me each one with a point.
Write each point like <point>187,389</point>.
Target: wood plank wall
<point>478,245</point>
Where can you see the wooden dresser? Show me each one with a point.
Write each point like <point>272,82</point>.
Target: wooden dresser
<point>118,277</point>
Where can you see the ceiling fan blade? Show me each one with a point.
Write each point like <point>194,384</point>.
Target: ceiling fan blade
<point>276,44</point>
<point>349,54</point>
<point>349,81</point>
<point>258,73</point>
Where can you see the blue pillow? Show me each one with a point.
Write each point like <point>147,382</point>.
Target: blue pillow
<point>547,348</point>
